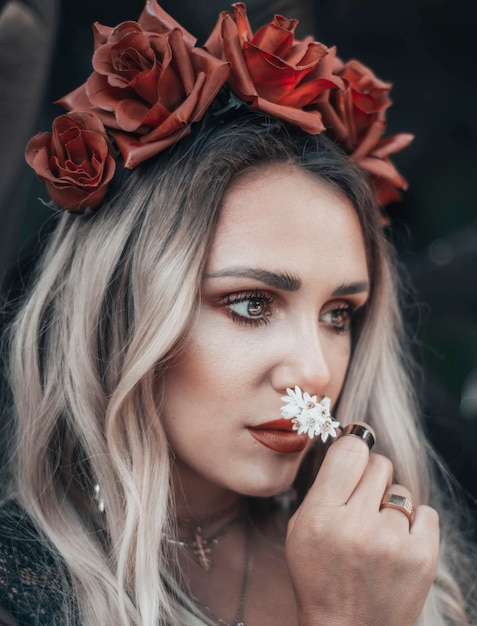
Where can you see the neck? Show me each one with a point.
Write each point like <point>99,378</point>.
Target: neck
<point>197,497</point>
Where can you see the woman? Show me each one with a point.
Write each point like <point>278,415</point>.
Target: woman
<point>169,361</point>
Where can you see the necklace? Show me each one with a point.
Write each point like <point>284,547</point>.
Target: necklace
<point>193,520</point>
<point>202,546</point>
<point>247,571</point>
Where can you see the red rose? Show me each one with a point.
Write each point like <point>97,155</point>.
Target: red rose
<point>75,161</point>
<point>273,71</point>
<point>149,83</point>
<point>356,117</point>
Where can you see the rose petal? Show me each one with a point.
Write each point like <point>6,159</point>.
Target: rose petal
<point>383,169</point>
<point>244,29</point>
<point>332,119</point>
<point>178,118</point>
<point>155,20</point>
<point>304,54</point>
<point>386,194</point>
<point>363,80</point>
<point>370,139</point>
<point>131,115</point>
<point>87,147</point>
<point>37,156</point>
<point>101,94</point>
<point>240,78</point>
<point>281,83</point>
<point>307,93</point>
<point>100,34</point>
<point>368,104</point>
<point>274,38</point>
<point>134,152</point>
<point>76,100</point>
<point>75,200</point>
<point>215,72</point>
<point>183,66</point>
<point>215,44</point>
<point>309,121</point>
<point>393,144</point>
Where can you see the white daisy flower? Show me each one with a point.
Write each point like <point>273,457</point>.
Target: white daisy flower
<point>297,402</point>
<point>308,415</point>
<point>309,423</point>
<point>328,428</point>
<point>325,405</point>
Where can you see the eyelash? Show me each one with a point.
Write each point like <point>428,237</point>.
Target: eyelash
<point>347,311</point>
<point>343,310</point>
<point>237,298</point>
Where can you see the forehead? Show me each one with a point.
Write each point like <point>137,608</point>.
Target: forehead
<point>283,215</point>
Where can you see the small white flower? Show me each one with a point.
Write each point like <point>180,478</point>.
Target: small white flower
<point>297,402</point>
<point>308,415</point>
<point>325,405</point>
<point>307,422</point>
<point>328,428</point>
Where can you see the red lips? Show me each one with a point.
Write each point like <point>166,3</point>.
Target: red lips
<point>278,435</point>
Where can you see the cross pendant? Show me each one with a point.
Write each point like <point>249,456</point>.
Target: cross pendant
<point>202,552</point>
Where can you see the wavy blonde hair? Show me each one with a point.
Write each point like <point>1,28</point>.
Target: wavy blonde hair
<point>113,302</point>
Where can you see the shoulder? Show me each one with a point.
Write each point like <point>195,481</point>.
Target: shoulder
<point>13,520</point>
<point>20,542</point>
<point>31,578</point>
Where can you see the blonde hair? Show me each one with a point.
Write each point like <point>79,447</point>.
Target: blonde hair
<point>112,304</point>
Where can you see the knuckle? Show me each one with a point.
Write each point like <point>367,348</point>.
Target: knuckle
<point>425,563</point>
<point>382,464</point>
<point>351,446</point>
<point>432,516</point>
<point>388,548</point>
<point>313,526</point>
<point>355,540</point>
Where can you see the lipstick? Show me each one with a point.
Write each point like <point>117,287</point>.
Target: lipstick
<point>278,435</point>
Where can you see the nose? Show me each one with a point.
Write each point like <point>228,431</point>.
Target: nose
<point>303,362</point>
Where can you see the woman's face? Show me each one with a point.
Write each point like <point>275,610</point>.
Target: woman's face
<point>286,273</point>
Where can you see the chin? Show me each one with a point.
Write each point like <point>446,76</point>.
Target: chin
<point>268,493</point>
<point>263,488</point>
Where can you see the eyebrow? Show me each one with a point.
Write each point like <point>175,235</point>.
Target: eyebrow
<point>279,280</point>
<point>285,281</point>
<point>349,289</point>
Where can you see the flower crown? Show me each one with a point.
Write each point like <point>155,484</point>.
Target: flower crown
<point>150,83</point>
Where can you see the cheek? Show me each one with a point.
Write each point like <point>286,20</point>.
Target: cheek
<point>200,385</point>
<point>339,360</point>
<point>219,361</point>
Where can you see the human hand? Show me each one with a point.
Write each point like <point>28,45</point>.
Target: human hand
<point>351,561</point>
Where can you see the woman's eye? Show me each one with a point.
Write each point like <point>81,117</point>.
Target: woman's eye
<point>339,319</point>
<point>249,308</point>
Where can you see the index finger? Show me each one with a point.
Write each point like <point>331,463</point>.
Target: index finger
<point>341,471</point>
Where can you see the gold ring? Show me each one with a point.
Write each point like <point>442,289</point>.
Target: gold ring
<point>400,503</point>
<point>360,431</point>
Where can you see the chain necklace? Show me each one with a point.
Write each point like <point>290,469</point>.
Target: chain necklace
<point>193,520</point>
<point>202,546</point>
<point>238,619</point>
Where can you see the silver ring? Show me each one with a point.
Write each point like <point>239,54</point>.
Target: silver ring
<point>400,503</point>
<point>360,431</point>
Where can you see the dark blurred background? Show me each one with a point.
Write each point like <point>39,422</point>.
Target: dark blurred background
<point>427,48</point>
